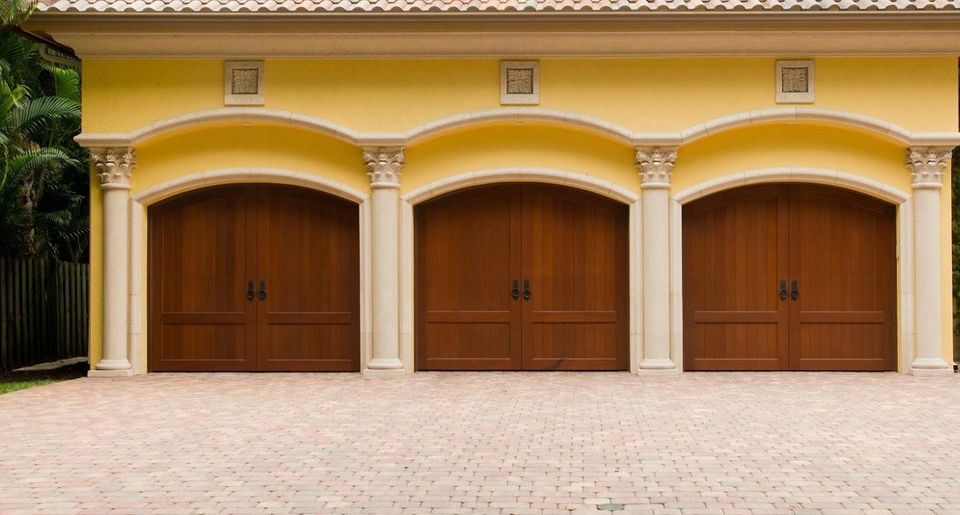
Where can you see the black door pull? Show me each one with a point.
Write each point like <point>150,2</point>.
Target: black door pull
<point>794,290</point>
<point>515,292</point>
<point>263,289</point>
<point>249,290</point>
<point>783,289</point>
<point>526,289</point>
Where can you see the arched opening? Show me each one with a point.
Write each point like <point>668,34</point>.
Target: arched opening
<point>254,277</point>
<point>521,276</point>
<point>787,276</point>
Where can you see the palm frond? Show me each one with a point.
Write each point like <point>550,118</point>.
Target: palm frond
<point>67,82</point>
<point>35,112</point>
<point>15,12</point>
<point>34,161</point>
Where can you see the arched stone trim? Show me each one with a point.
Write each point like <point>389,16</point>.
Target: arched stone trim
<point>520,114</point>
<point>516,174</point>
<point>792,174</point>
<point>813,114</point>
<point>517,114</point>
<point>221,116</point>
<point>905,247</point>
<point>139,230</point>
<point>239,175</point>
<point>521,174</point>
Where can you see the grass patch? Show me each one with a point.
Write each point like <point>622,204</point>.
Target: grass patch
<point>22,385</point>
<point>13,381</point>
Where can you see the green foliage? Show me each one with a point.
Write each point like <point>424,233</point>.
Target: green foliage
<point>44,184</point>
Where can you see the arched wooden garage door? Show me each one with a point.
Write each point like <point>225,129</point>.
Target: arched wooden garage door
<point>521,277</point>
<point>254,277</point>
<point>789,277</point>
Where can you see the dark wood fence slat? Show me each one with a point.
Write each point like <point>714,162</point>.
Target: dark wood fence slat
<point>44,308</point>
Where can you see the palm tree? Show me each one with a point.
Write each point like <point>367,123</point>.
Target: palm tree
<point>42,180</point>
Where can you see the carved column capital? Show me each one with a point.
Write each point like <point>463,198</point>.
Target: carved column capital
<point>114,166</point>
<point>926,165</point>
<point>383,166</point>
<point>655,165</point>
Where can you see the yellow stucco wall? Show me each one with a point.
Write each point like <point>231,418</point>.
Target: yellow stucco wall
<point>639,94</point>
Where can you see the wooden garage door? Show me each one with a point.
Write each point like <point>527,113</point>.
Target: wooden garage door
<point>255,277</point>
<point>789,277</point>
<point>521,277</point>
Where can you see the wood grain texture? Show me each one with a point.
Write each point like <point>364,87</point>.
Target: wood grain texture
<point>208,247</point>
<point>741,246</point>
<point>570,247</point>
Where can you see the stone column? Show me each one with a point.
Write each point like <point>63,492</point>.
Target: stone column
<point>383,167</point>
<point>115,166</point>
<point>927,166</point>
<point>655,165</point>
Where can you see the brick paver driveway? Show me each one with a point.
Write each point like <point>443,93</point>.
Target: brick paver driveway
<point>483,442</point>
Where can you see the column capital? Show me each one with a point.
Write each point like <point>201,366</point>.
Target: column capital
<point>655,165</point>
<point>926,165</point>
<point>383,166</point>
<point>114,165</point>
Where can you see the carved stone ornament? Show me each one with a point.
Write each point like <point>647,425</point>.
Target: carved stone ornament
<point>114,166</point>
<point>927,166</point>
<point>383,166</point>
<point>655,166</point>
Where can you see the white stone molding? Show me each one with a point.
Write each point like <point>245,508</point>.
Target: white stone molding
<point>506,175</point>
<point>222,176</point>
<point>383,166</point>
<point>655,165</point>
<point>517,114</point>
<point>114,166</point>
<point>802,174</point>
<point>139,231</point>
<point>520,174</point>
<point>905,241</point>
<point>926,166</point>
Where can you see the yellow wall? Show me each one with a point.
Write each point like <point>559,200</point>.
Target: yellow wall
<point>639,94</point>
<point>642,94</point>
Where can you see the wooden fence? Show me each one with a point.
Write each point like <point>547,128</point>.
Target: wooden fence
<point>43,311</point>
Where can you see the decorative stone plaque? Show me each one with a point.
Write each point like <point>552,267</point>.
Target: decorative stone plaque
<point>243,83</point>
<point>795,82</point>
<point>519,82</point>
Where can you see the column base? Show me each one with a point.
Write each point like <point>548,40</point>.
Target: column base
<point>658,365</point>
<point>380,372</point>
<point>385,364</point>
<point>113,364</point>
<point>930,367</point>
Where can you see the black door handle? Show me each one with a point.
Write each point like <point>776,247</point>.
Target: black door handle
<point>794,290</point>
<point>515,292</point>
<point>249,290</point>
<point>783,289</point>
<point>526,289</point>
<point>263,289</point>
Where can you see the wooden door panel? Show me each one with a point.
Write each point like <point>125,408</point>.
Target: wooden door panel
<point>843,259</point>
<point>468,255</point>
<point>200,317</point>
<point>308,259</point>
<point>735,248</point>
<point>468,346</point>
<point>575,258</point>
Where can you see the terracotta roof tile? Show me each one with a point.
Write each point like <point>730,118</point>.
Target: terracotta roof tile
<point>452,6</point>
